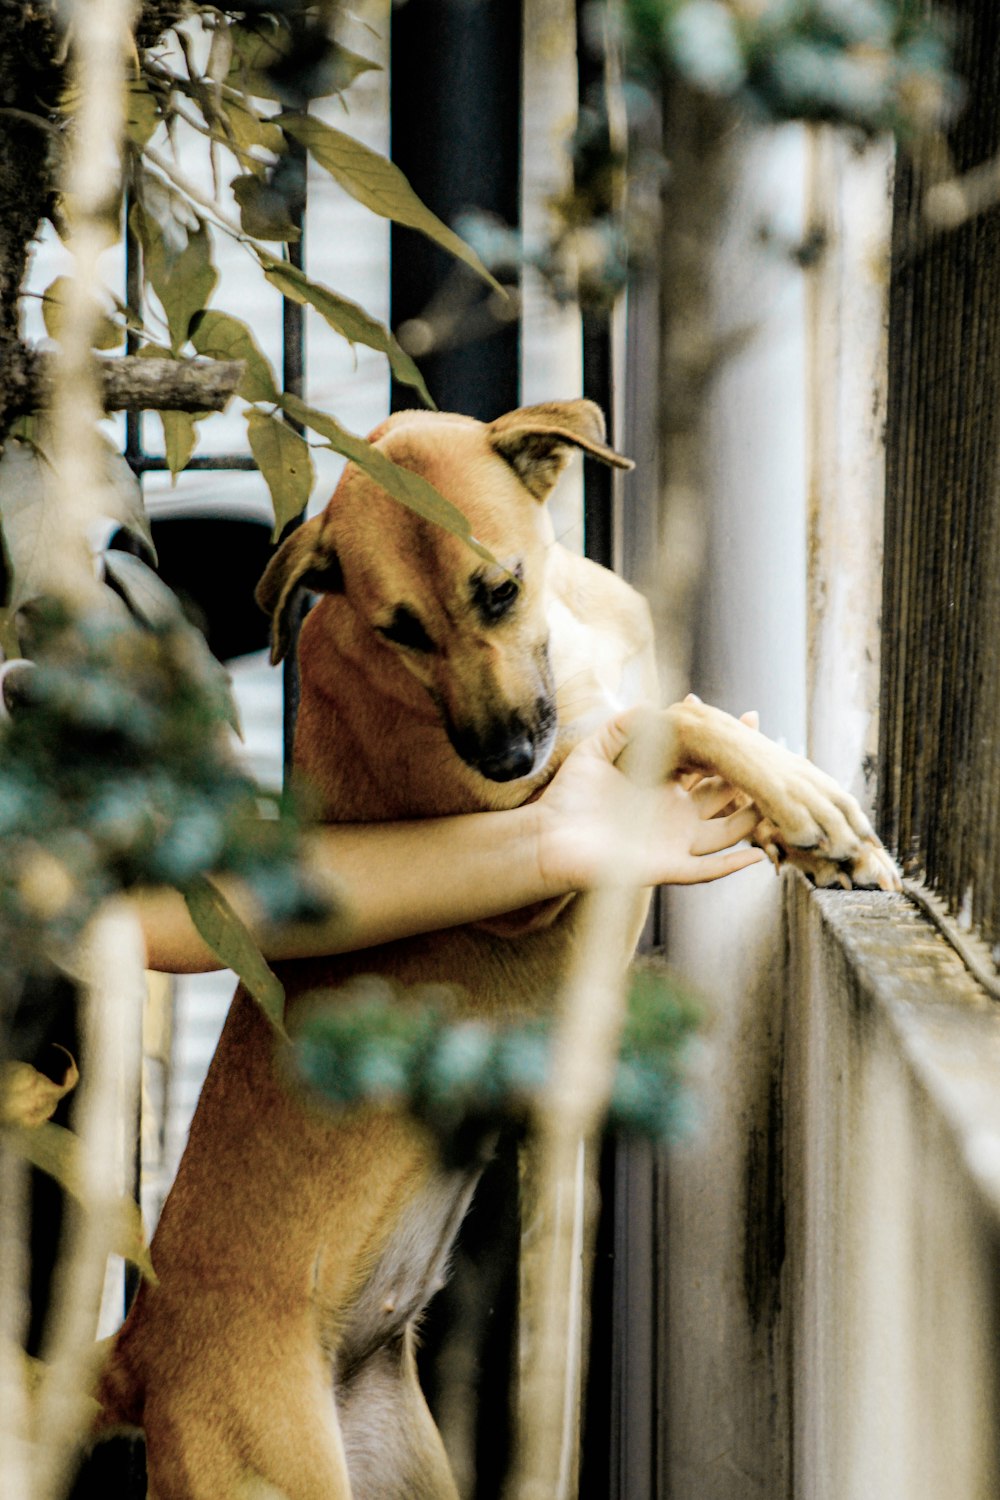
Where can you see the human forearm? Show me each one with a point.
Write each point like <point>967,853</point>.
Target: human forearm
<point>384,881</point>
<point>592,824</point>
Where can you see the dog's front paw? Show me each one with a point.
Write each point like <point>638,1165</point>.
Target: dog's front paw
<point>868,867</point>
<point>805,816</point>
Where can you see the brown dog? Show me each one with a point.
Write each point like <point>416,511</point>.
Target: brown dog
<point>296,1251</point>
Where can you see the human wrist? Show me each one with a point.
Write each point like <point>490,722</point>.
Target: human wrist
<point>557,851</point>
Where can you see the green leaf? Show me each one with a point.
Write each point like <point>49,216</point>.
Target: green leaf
<point>263,210</point>
<point>142,113</point>
<point>346,317</point>
<point>164,218</point>
<point>379,184</point>
<point>29,429</point>
<point>218,335</point>
<point>284,459</point>
<point>261,47</point>
<point>107,334</point>
<point>250,130</point>
<point>56,1151</point>
<point>255,49</point>
<point>227,936</point>
<point>180,435</point>
<point>32,521</point>
<point>29,1097</point>
<point>410,489</point>
<point>183,282</point>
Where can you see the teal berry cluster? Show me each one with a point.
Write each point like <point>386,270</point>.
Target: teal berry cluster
<point>872,64</point>
<point>115,773</point>
<point>379,1045</point>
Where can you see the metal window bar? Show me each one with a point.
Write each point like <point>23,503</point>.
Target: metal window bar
<point>939,773</point>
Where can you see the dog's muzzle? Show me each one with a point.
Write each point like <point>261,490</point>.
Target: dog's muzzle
<point>508,750</point>
<point>516,759</point>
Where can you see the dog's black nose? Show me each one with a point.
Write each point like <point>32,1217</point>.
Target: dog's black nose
<point>516,758</point>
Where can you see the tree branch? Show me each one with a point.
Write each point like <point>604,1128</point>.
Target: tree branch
<point>134,384</point>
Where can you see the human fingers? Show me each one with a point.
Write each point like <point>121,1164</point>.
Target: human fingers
<point>707,791</point>
<point>715,797</point>
<point>717,834</point>
<point>716,866</point>
<point>615,735</point>
<point>712,796</point>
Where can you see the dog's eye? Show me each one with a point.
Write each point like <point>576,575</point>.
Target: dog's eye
<point>495,602</point>
<point>404,629</point>
<point>504,594</point>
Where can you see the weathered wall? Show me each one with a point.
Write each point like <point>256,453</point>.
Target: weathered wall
<point>728,1424</point>
<point>835,1222</point>
<point>890,1287</point>
<point>832,1278</point>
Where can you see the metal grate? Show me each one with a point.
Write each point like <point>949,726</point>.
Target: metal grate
<point>940,719</point>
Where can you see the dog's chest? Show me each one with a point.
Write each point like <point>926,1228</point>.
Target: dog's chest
<point>600,670</point>
<point>490,976</point>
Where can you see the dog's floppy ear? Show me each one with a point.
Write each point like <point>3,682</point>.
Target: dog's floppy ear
<point>304,558</point>
<point>536,441</point>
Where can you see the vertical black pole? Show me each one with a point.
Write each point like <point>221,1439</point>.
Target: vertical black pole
<point>598,373</point>
<point>293,365</point>
<point>456,112</point>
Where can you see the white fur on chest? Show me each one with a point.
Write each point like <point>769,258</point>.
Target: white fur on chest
<point>594,680</point>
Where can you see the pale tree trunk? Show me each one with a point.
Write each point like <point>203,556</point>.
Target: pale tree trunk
<point>30,80</point>
<point>43,1442</point>
<point>33,137</point>
<point>567,1127</point>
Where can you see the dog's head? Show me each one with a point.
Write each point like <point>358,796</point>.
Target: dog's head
<point>473,634</point>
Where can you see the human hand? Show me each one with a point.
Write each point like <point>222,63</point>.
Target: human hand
<point>600,827</point>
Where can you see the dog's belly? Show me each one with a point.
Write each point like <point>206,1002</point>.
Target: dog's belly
<point>394,1286</point>
<point>412,1266</point>
<point>499,977</point>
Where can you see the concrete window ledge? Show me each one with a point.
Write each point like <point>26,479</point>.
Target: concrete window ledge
<point>946,1026</point>
<point>883,1335</point>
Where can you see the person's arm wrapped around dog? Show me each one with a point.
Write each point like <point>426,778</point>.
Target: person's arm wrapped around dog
<point>393,880</point>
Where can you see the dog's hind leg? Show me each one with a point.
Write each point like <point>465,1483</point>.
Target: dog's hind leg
<point>394,1450</point>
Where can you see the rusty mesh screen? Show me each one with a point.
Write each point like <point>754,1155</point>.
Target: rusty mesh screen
<point>940,700</point>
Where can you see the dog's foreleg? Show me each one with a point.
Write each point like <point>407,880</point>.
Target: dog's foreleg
<point>812,817</point>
